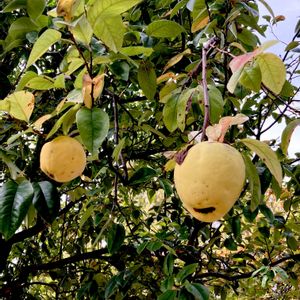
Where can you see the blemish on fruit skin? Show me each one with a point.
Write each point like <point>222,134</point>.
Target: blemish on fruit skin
<point>205,210</point>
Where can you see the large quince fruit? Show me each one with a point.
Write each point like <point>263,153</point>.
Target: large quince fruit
<point>62,159</point>
<point>210,180</point>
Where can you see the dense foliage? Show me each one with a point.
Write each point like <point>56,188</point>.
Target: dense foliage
<point>136,82</point>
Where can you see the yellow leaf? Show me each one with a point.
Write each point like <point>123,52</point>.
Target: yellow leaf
<point>199,24</point>
<point>40,121</point>
<point>165,77</point>
<point>66,8</point>
<point>170,165</point>
<point>87,90</point>
<point>21,105</point>
<point>98,83</point>
<point>177,58</point>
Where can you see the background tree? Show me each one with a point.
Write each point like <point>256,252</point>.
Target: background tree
<point>136,82</point>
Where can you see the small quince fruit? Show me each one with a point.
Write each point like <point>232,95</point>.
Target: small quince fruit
<point>210,180</point>
<point>62,159</point>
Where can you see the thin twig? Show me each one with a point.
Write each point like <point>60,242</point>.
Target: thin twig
<point>205,90</point>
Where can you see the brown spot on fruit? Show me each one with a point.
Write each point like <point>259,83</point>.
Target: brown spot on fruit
<point>206,210</point>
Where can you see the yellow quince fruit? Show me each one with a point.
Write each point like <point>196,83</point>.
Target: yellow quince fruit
<point>210,180</point>
<point>62,159</point>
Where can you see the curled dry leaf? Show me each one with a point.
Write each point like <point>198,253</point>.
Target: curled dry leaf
<point>88,84</point>
<point>217,132</point>
<point>64,9</point>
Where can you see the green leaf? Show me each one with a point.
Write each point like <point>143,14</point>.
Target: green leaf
<point>154,245</point>
<point>35,8</point>
<point>142,175</point>
<point>272,70</point>
<point>136,50</point>
<point>25,78</point>
<point>142,247</point>
<point>251,78</point>
<point>147,79</point>
<point>66,119</point>
<point>118,149</point>
<point>21,105</point>
<point>40,83</point>
<point>111,7</point>
<point>264,231</point>
<point>82,31</point>
<point>254,182</point>
<point>164,29</point>
<point>170,113</point>
<point>59,82</point>
<point>267,6</point>
<point>183,99</point>
<point>19,28</point>
<point>267,212</point>
<point>166,186</point>
<point>168,295</point>
<point>46,200</point>
<point>110,30</point>
<point>216,104</point>
<point>185,272</point>
<point>292,45</point>
<point>287,133</point>
<point>105,19</point>
<point>199,291</point>
<point>236,226</point>
<point>41,46</point>
<point>267,155</point>
<point>15,172</point>
<point>93,125</point>
<point>233,81</point>
<point>230,244</point>
<point>292,243</point>
<point>168,265</point>
<point>15,200</point>
<point>115,237</point>
<point>13,5</point>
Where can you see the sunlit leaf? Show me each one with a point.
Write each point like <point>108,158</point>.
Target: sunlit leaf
<point>175,59</point>
<point>251,78</point>
<point>136,50</point>
<point>21,105</point>
<point>83,31</point>
<point>272,70</point>
<point>199,24</point>
<point>44,42</point>
<point>287,133</point>
<point>267,155</point>
<point>41,83</point>
<point>164,29</point>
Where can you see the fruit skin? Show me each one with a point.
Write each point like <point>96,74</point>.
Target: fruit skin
<point>211,177</point>
<point>62,159</point>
